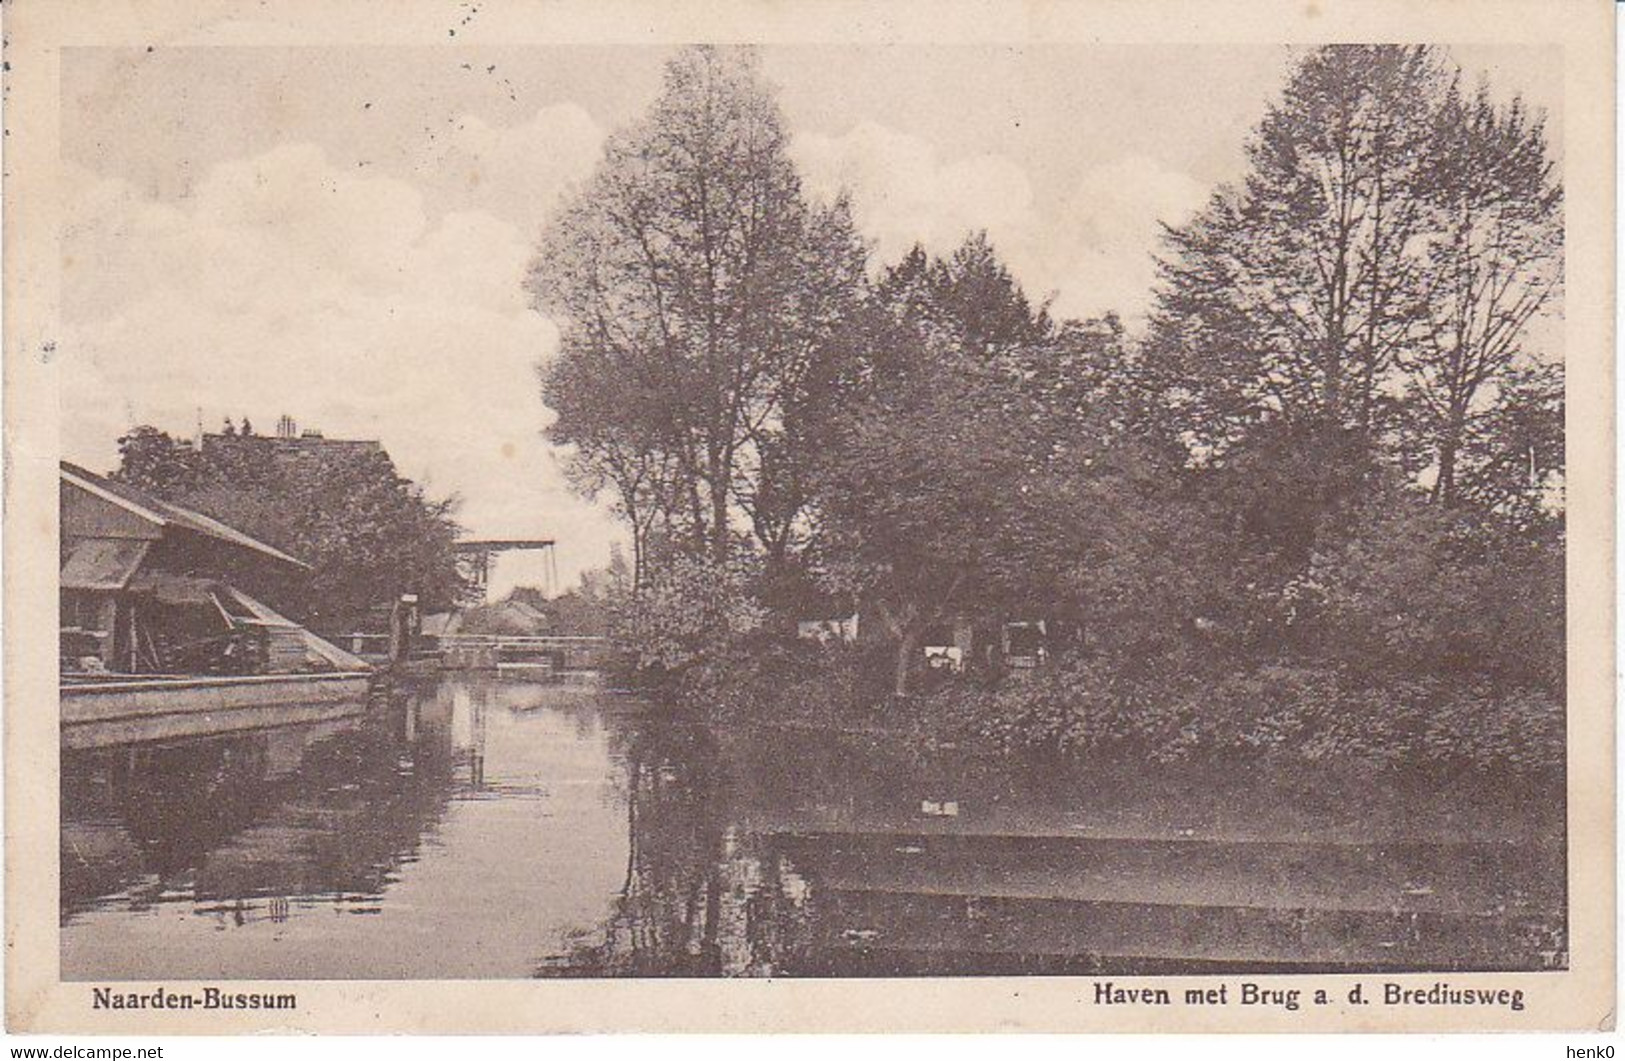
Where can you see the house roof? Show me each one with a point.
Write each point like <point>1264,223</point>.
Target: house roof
<point>164,514</point>
<point>439,624</point>
<point>514,618</point>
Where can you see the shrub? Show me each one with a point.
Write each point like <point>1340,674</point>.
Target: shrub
<point>690,611</point>
<point>1313,713</point>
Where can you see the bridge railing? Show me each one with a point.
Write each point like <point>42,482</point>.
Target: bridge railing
<point>380,642</point>
<point>484,651</point>
<point>376,646</point>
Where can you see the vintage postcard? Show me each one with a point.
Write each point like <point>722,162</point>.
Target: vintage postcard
<point>540,517</point>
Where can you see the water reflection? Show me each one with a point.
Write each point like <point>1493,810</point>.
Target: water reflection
<point>453,829</point>
<point>701,896</point>
<point>330,808</point>
<point>462,828</point>
<point>798,854</point>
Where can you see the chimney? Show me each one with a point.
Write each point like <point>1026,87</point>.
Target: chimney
<point>285,427</point>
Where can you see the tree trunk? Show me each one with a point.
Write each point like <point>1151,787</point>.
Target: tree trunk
<point>638,536</point>
<point>1444,489</point>
<point>908,650</point>
<point>719,524</point>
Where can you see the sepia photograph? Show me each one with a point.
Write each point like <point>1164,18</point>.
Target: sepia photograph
<point>815,509</point>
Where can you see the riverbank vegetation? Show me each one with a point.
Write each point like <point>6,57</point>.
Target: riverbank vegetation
<point>1310,510</point>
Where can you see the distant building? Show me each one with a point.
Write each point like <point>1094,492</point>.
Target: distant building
<point>289,443</point>
<point>839,630</point>
<point>509,618</point>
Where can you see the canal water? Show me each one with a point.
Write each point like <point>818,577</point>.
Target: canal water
<point>479,828</point>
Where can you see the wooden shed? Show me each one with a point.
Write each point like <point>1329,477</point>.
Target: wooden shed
<point>149,587</point>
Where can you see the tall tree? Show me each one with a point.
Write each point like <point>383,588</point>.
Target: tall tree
<point>826,369</point>
<point>156,461</point>
<point>1362,299</point>
<point>976,465</point>
<point>1378,271</point>
<point>1291,295</point>
<point>1492,261</point>
<point>690,281</point>
<point>615,430</point>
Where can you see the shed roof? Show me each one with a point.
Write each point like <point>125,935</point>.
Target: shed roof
<point>178,589</point>
<point>164,514</point>
<point>334,656</point>
<point>102,563</point>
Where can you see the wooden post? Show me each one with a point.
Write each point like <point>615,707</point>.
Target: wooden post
<point>403,628</point>
<point>108,621</point>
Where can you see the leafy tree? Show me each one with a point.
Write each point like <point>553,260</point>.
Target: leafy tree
<point>154,461</point>
<point>974,473</point>
<point>691,611</point>
<point>692,285</point>
<point>1418,588</point>
<point>1362,301</point>
<point>368,534</point>
<point>1512,460</point>
<point>1292,294</point>
<point>1377,270</point>
<point>1491,261</point>
<point>616,433</point>
<point>776,493</point>
<point>973,295</point>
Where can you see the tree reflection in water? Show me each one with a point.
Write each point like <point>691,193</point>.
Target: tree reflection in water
<point>756,852</point>
<point>752,851</point>
<point>700,897</point>
<point>332,808</point>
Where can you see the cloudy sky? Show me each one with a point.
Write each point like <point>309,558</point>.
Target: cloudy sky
<point>340,234</point>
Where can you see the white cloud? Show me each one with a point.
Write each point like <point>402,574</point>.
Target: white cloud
<point>287,284</point>
<point>517,172</point>
<point>389,303</point>
<point>1110,228</point>
<point>904,192</point>
<point>1092,251</point>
